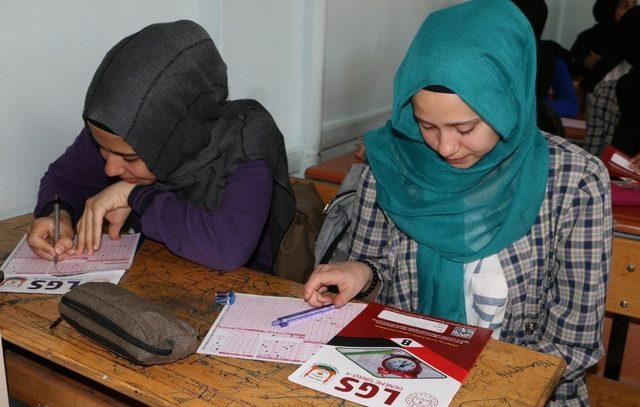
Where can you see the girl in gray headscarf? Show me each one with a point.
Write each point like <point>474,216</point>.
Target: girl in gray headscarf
<point>162,146</point>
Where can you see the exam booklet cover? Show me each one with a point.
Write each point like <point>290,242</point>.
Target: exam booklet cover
<point>389,357</point>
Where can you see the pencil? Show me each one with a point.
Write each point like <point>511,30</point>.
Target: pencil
<point>56,227</point>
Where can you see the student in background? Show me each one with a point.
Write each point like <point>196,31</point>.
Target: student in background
<point>466,211</point>
<point>556,96</point>
<point>164,149</point>
<point>603,112</point>
<point>627,135</point>
<point>596,41</point>
<point>560,94</point>
<point>613,64</point>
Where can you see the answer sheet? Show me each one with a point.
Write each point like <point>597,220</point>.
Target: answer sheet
<point>113,255</point>
<point>243,329</point>
<point>48,284</point>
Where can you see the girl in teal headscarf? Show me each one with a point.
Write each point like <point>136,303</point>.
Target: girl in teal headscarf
<point>464,195</point>
<point>459,211</point>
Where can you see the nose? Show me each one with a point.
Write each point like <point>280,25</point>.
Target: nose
<point>114,165</point>
<point>448,145</point>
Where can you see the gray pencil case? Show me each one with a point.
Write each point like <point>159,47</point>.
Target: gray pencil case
<point>128,325</point>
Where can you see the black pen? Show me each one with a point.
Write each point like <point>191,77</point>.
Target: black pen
<point>56,227</point>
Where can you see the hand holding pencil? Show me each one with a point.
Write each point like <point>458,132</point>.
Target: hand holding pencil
<point>41,236</point>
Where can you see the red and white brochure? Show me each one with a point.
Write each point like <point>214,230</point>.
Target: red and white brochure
<point>389,357</point>
<point>618,164</point>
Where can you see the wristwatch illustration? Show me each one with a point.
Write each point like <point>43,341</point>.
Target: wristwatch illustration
<point>406,367</point>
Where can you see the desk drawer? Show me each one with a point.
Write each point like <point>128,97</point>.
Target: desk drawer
<point>623,295</point>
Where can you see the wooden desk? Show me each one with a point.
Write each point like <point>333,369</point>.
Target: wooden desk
<point>623,297</point>
<point>575,134</point>
<point>626,219</point>
<point>332,170</point>
<point>574,130</point>
<point>505,374</point>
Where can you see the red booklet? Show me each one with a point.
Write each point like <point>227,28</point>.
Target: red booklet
<point>617,163</point>
<point>388,357</point>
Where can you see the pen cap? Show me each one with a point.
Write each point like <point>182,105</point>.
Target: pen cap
<point>225,298</point>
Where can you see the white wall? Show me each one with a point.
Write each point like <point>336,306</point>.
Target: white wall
<point>365,43</point>
<point>567,19</point>
<point>323,68</point>
<point>50,50</point>
<point>274,51</point>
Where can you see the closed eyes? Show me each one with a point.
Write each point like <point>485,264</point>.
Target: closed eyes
<point>465,132</point>
<point>462,132</point>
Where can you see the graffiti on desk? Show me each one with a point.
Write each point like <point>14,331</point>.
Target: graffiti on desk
<point>494,376</point>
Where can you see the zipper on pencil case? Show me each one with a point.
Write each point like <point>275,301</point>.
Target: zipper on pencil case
<point>109,325</point>
<point>113,347</point>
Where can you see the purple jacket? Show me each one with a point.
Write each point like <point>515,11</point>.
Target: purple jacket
<point>229,237</point>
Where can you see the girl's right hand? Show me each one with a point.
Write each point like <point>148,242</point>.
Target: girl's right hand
<point>40,237</point>
<point>351,277</point>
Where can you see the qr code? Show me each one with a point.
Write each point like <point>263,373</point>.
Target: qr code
<point>462,332</point>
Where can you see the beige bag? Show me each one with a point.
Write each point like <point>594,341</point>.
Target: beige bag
<point>295,259</point>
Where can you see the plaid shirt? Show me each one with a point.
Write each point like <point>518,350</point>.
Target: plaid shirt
<point>603,115</point>
<point>557,274</point>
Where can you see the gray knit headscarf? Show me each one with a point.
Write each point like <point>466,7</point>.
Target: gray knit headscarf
<point>163,90</point>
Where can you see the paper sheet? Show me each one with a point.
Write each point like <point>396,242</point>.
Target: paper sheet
<point>243,329</point>
<point>48,284</point>
<point>113,255</point>
<point>4,393</point>
<point>576,124</point>
<point>621,161</point>
<point>25,272</point>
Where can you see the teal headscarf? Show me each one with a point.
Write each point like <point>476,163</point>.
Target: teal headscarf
<point>483,50</point>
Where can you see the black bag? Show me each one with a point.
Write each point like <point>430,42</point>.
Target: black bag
<point>295,260</point>
<point>332,243</point>
<point>128,325</point>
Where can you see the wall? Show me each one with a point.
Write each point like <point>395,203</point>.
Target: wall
<point>567,19</point>
<point>323,68</point>
<point>50,50</point>
<point>362,55</point>
<point>275,54</point>
<point>274,51</point>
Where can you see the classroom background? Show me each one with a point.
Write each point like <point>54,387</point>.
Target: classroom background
<point>321,67</point>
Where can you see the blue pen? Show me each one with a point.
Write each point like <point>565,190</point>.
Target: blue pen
<point>298,316</point>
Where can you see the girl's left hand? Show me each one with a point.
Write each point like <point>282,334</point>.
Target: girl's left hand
<point>112,204</point>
